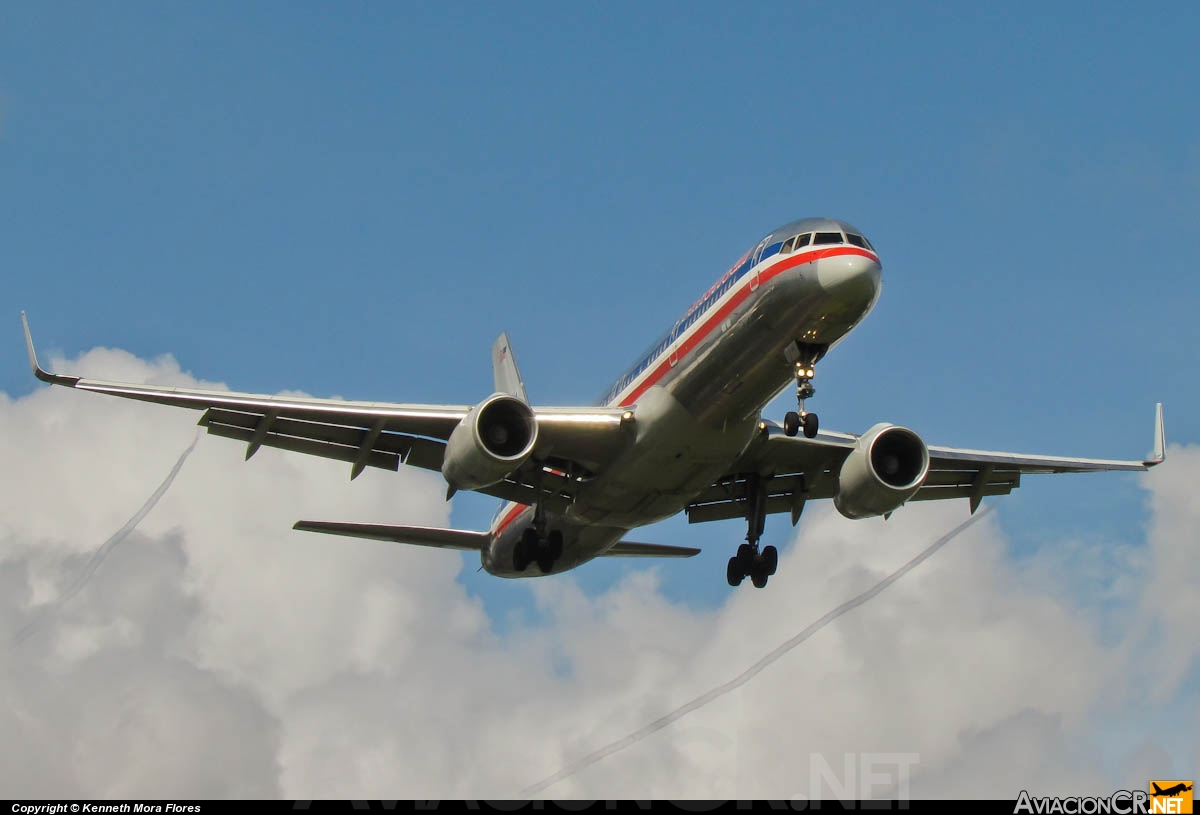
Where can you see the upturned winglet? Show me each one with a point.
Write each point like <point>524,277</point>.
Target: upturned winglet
<point>38,371</point>
<point>1159,454</point>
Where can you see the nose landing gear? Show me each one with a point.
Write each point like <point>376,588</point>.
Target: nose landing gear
<point>803,357</point>
<point>793,421</point>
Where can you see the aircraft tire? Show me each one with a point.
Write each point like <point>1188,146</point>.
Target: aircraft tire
<point>733,572</point>
<point>770,560</point>
<point>556,544</point>
<point>525,550</point>
<point>791,423</point>
<point>545,557</point>
<point>811,424</point>
<point>745,558</point>
<point>520,561</point>
<point>759,577</point>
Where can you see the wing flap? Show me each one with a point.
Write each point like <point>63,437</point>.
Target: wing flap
<point>971,478</point>
<point>318,431</point>
<point>796,469</point>
<point>785,493</point>
<point>724,510</point>
<point>338,452</point>
<point>940,493</point>
<point>580,440</point>
<point>414,535</point>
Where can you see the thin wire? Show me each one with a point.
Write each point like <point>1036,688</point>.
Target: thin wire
<point>753,670</point>
<point>47,612</point>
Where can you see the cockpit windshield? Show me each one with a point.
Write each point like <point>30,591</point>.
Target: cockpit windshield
<point>798,242</point>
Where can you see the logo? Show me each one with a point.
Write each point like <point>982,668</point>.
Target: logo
<point>1163,798</point>
<point>1171,797</point>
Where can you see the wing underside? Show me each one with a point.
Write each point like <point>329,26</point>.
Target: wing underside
<point>572,442</point>
<point>793,470</point>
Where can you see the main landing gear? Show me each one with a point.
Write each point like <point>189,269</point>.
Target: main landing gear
<point>749,562</point>
<point>537,545</point>
<point>794,422</point>
<point>541,549</point>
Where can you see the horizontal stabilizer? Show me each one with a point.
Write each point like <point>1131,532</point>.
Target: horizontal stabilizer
<point>416,535</point>
<point>632,549</point>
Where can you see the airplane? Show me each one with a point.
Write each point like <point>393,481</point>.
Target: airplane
<point>1170,791</point>
<point>680,431</point>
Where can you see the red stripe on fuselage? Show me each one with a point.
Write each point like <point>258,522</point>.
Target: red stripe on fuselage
<point>739,296</point>
<point>509,517</point>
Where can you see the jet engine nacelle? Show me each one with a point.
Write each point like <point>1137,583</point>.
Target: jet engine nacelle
<point>492,440</point>
<point>885,469</point>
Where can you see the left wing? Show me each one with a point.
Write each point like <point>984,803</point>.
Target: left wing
<point>380,434</point>
<point>470,541</point>
<point>796,469</point>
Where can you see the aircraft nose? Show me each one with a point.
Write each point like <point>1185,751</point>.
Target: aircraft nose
<point>850,275</point>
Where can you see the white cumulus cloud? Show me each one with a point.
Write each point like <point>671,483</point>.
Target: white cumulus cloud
<point>218,653</point>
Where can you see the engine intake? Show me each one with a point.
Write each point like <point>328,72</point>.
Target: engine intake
<point>492,440</point>
<point>885,469</point>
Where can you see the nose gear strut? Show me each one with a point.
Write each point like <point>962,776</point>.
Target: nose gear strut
<point>804,359</point>
<point>794,422</point>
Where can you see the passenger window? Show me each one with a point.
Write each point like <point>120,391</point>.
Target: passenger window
<point>787,246</point>
<point>857,240</point>
<point>824,238</point>
<point>802,240</point>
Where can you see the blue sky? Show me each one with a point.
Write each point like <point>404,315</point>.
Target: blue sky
<point>356,200</point>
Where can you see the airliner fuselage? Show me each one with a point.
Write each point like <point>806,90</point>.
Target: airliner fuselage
<point>696,395</point>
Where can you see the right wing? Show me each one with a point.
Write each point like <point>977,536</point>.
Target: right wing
<point>794,470</point>
<point>380,434</point>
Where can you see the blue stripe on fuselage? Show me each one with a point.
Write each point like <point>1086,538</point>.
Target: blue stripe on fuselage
<point>698,309</point>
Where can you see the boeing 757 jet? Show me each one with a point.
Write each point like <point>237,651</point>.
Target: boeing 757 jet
<point>681,430</point>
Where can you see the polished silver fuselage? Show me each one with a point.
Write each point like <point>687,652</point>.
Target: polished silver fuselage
<point>698,406</point>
